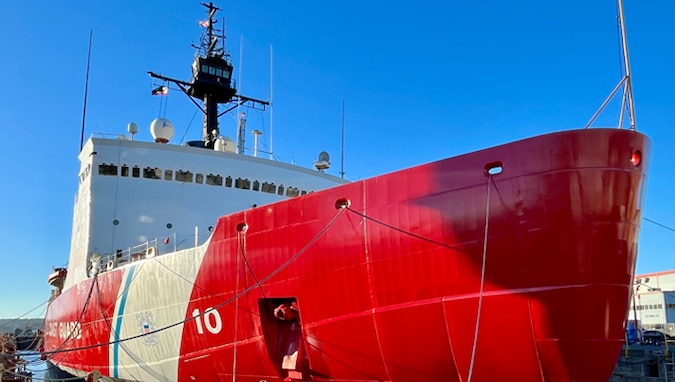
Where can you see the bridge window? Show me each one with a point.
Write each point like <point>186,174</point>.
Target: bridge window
<point>292,191</point>
<point>215,180</point>
<point>244,184</point>
<point>184,176</point>
<point>270,188</point>
<point>107,169</point>
<point>152,173</point>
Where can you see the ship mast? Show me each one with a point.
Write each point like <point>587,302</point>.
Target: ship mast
<point>212,79</point>
<point>628,87</point>
<point>626,81</point>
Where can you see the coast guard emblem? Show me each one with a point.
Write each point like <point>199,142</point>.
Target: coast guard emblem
<point>147,325</point>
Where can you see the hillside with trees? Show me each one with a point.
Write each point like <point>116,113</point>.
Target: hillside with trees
<point>9,325</point>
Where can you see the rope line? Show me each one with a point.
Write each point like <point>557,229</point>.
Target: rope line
<point>25,314</point>
<point>242,250</point>
<point>240,238</point>
<point>128,351</point>
<point>659,224</point>
<point>228,301</point>
<point>482,279</point>
<point>70,336</point>
<point>212,294</point>
<point>432,241</point>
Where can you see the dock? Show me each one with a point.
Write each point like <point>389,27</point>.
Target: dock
<point>645,363</point>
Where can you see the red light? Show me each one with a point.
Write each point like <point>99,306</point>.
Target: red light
<point>636,158</point>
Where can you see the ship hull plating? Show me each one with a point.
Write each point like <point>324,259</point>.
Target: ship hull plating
<point>511,263</point>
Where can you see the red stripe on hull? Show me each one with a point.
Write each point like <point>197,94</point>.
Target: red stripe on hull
<point>92,305</point>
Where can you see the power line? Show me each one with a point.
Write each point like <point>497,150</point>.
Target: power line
<point>659,224</point>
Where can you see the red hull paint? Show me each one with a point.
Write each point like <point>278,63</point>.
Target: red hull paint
<point>79,318</point>
<point>395,295</point>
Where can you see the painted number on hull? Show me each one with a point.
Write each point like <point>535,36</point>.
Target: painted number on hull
<point>210,319</point>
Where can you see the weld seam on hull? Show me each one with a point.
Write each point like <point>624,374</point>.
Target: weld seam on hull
<point>523,291</point>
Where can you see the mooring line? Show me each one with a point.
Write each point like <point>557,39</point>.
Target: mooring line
<point>482,279</point>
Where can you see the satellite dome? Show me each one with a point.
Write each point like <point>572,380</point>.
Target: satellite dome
<point>162,130</point>
<point>132,128</point>
<point>225,144</point>
<point>323,163</point>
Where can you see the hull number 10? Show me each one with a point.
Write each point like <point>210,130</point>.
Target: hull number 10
<point>209,319</point>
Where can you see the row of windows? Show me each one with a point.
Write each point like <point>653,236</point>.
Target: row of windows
<point>653,306</point>
<point>189,177</point>
<point>218,72</point>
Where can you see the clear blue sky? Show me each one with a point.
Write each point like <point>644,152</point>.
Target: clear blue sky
<point>422,81</point>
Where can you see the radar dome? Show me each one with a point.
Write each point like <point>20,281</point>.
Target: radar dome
<point>132,128</point>
<point>323,163</point>
<point>225,144</point>
<point>162,130</point>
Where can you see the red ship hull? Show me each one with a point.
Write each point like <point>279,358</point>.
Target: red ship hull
<point>440,272</point>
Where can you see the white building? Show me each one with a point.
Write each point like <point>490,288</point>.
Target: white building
<point>653,303</point>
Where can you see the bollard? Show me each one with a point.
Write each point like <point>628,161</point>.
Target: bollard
<point>93,376</point>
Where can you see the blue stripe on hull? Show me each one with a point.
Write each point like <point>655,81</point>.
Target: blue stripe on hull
<point>118,324</point>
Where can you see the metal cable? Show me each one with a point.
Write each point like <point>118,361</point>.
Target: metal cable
<point>482,279</point>
<point>228,301</point>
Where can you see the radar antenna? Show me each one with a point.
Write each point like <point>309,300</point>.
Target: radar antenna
<point>212,79</point>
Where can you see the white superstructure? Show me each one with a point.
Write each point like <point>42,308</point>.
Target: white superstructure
<point>132,192</point>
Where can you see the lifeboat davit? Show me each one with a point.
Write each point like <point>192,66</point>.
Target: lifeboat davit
<point>57,278</point>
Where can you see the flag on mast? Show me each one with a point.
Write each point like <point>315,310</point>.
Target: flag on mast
<point>160,90</point>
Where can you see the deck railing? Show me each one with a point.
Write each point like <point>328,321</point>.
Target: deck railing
<point>150,249</point>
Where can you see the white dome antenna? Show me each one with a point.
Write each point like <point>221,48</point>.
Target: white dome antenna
<point>323,163</point>
<point>225,144</point>
<point>162,130</point>
<point>132,128</point>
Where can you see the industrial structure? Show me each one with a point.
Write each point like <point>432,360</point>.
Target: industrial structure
<point>653,301</point>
